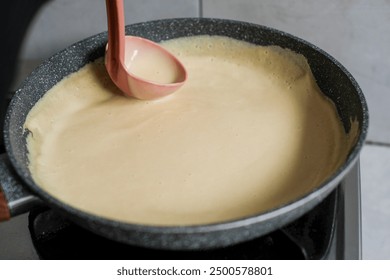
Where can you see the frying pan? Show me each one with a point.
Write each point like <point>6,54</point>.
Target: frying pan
<point>20,192</point>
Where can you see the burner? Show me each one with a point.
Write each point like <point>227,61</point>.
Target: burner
<point>309,237</point>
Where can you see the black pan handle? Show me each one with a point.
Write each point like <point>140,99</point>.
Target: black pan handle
<point>14,198</point>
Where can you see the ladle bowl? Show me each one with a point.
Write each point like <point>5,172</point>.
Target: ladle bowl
<point>139,67</point>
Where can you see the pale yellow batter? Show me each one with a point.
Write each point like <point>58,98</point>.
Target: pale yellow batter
<point>249,131</point>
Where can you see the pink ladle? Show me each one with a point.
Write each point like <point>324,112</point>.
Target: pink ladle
<point>125,55</point>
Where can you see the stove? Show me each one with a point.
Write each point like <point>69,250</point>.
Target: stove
<point>332,230</point>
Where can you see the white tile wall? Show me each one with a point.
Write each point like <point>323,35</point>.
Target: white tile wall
<point>63,22</point>
<point>375,166</point>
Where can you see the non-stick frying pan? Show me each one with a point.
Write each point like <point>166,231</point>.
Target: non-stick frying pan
<point>20,192</point>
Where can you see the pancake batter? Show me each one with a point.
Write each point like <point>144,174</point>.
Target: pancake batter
<point>249,131</point>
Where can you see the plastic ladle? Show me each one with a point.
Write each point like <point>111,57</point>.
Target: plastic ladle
<point>139,67</point>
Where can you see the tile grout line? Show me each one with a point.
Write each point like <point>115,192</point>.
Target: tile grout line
<point>200,8</point>
<point>377,143</point>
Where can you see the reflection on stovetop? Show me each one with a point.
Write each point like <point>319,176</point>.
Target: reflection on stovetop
<point>309,237</point>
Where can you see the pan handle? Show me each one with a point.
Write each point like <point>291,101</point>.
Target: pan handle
<point>14,198</point>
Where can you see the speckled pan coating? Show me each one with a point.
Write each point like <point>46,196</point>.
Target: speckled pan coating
<point>332,78</point>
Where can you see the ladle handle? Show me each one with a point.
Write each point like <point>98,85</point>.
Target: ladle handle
<point>116,32</point>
